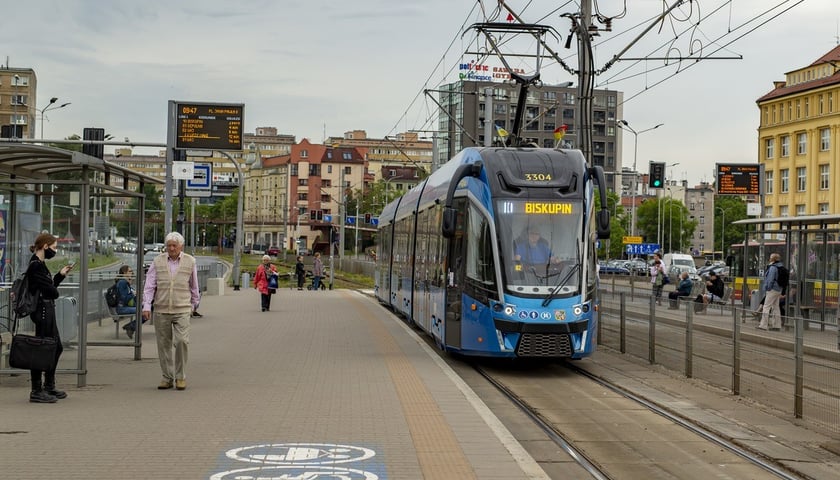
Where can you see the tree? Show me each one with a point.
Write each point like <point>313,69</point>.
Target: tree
<point>618,226</point>
<point>671,217</point>
<point>729,209</point>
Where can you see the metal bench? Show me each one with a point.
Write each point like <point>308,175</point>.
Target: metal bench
<point>117,317</point>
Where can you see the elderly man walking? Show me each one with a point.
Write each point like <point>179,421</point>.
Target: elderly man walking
<point>172,282</point>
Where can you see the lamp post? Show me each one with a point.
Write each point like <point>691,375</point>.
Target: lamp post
<point>722,230</point>
<point>14,106</point>
<point>387,183</point>
<point>50,106</point>
<point>626,126</point>
<point>659,214</point>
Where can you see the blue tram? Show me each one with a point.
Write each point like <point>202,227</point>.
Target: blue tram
<point>494,253</point>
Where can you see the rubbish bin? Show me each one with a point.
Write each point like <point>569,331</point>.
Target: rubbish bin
<point>756,297</point>
<point>246,280</point>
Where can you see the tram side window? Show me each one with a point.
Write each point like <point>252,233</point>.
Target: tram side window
<point>481,270</point>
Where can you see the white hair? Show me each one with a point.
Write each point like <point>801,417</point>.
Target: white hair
<point>174,237</point>
<point>266,257</point>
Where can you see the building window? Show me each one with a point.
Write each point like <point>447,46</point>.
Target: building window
<point>821,104</point>
<point>569,98</point>
<point>768,146</point>
<point>768,212</point>
<point>768,182</point>
<point>800,210</point>
<point>790,111</point>
<point>550,113</point>
<point>786,146</point>
<point>825,142</point>
<point>824,177</point>
<point>801,143</point>
<point>783,210</point>
<point>830,102</point>
<point>801,179</point>
<point>293,171</point>
<point>702,220</point>
<point>304,154</point>
<point>798,108</point>
<point>823,208</point>
<point>784,184</point>
<point>348,170</point>
<point>807,107</point>
<point>302,196</point>
<point>329,168</point>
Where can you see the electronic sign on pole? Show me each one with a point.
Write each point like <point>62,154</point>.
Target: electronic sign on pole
<point>740,179</point>
<point>208,126</point>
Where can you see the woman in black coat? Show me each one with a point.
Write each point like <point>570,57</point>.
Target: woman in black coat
<point>46,287</point>
<point>300,272</point>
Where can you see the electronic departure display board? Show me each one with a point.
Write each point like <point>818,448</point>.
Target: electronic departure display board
<point>203,126</point>
<point>739,179</point>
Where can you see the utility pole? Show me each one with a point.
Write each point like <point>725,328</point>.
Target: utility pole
<point>586,77</point>
<point>342,211</point>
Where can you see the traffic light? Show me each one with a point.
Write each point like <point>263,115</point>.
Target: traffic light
<point>367,218</point>
<point>657,175</point>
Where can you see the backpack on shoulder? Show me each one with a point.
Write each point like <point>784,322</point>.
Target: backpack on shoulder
<point>24,302</point>
<point>112,296</point>
<point>783,277</point>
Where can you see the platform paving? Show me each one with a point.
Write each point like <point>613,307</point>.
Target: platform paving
<point>324,383</point>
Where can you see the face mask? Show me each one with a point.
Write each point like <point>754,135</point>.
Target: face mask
<point>49,253</point>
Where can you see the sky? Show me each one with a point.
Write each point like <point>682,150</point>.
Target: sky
<point>315,68</point>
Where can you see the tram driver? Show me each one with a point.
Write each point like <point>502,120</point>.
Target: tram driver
<point>534,250</point>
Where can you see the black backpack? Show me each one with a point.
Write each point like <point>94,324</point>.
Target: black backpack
<point>112,296</point>
<point>24,302</point>
<point>782,277</point>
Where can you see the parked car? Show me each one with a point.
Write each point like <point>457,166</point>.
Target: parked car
<point>612,268</point>
<point>273,250</point>
<point>637,266</point>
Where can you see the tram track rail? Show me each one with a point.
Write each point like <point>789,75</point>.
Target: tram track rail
<point>591,465</point>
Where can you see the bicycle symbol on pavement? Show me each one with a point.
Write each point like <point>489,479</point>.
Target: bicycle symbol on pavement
<point>298,461</point>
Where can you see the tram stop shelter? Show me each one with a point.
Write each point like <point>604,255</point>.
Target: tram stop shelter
<point>77,198</point>
<point>809,246</point>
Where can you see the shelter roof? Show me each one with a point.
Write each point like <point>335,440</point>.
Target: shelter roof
<point>39,162</point>
<point>790,221</point>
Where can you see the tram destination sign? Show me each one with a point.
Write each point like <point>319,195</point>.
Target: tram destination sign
<point>208,126</point>
<point>739,179</point>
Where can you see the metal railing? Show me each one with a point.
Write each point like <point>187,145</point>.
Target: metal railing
<point>793,370</point>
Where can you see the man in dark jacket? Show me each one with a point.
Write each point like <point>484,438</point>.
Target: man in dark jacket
<point>714,287</point>
<point>683,290</point>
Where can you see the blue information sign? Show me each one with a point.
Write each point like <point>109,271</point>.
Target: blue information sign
<point>328,218</point>
<point>350,220</point>
<point>374,221</point>
<point>642,248</point>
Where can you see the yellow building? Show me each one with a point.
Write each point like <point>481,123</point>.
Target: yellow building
<point>18,105</point>
<point>798,140</point>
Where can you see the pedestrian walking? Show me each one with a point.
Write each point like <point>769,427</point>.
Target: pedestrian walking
<point>775,281</point>
<point>300,272</point>
<point>657,280</point>
<point>45,287</point>
<point>317,271</point>
<point>172,283</point>
<point>262,279</point>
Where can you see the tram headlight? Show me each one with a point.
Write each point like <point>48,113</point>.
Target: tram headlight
<point>577,310</point>
<point>510,310</point>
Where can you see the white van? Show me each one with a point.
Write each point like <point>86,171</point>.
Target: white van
<point>676,263</point>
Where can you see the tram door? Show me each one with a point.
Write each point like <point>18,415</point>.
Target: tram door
<point>455,275</point>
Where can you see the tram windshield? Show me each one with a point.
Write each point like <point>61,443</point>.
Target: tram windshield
<point>540,245</point>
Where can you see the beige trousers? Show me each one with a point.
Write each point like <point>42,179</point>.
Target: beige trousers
<point>173,329</point>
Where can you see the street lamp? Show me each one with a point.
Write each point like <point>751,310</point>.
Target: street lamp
<point>626,126</point>
<point>722,229</point>
<point>387,183</point>
<point>659,214</point>
<point>50,106</point>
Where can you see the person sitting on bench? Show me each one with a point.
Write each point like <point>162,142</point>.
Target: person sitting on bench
<point>714,292</point>
<point>683,290</point>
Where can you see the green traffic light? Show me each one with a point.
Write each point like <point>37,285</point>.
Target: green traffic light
<point>657,183</point>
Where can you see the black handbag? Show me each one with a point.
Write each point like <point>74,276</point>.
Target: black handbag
<point>29,352</point>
